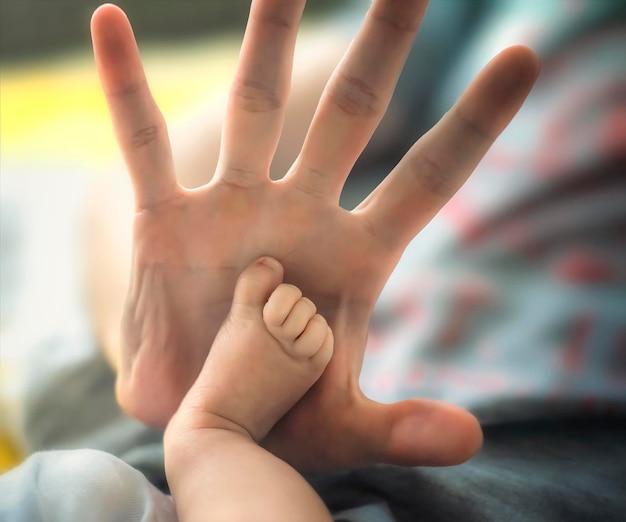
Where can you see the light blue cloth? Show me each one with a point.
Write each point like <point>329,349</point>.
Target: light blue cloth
<point>78,486</point>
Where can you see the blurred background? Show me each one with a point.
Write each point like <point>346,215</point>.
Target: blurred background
<point>38,28</point>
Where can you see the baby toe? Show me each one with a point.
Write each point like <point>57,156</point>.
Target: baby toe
<point>255,285</point>
<point>297,320</point>
<point>315,342</point>
<point>280,304</point>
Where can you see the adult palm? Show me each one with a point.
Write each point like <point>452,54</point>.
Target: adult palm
<point>190,245</point>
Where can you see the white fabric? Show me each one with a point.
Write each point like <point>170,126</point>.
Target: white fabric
<point>79,485</point>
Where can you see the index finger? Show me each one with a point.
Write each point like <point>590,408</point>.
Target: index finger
<point>139,126</point>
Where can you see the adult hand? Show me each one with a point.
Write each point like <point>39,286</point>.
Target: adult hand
<point>190,245</point>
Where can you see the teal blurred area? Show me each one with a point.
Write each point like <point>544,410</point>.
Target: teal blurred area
<point>34,28</point>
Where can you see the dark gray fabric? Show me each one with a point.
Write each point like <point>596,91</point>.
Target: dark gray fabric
<point>571,471</point>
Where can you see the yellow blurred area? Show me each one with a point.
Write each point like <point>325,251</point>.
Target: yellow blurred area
<point>54,111</point>
<point>9,455</point>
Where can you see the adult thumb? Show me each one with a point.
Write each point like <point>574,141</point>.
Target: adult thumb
<point>420,432</point>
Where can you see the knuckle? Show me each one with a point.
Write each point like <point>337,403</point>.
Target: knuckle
<point>320,321</point>
<point>145,136</point>
<point>381,234</point>
<point>313,183</point>
<point>310,305</point>
<point>281,17</point>
<point>433,176</point>
<point>395,22</point>
<point>253,96</point>
<point>273,316</point>
<point>472,125</point>
<point>293,289</point>
<point>353,96</point>
<point>127,89</point>
<point>239,177</point>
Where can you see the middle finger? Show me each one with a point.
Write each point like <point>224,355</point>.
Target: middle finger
<point>259,92</point>
<point>357,96</point>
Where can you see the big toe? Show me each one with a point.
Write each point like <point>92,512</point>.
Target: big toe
<point>255,285</point>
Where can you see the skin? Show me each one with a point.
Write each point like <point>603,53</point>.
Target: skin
<point>189,246</point>
<point>215,468</point>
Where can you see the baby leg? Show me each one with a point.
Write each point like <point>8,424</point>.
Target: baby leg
<point>270,350</point>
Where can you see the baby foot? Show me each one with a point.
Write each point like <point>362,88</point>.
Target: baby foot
<point>270,350</point>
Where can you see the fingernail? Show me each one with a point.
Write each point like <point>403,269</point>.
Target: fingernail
<point>269,262</point>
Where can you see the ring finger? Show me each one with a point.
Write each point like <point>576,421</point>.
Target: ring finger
<point>357,96</point>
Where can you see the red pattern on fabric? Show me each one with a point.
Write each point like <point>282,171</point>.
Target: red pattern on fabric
<point>485,380</point>
<point>520,239</point>
<point>386,381</point>
<point>584,267</point>
<point>408,308</point>
<point>415,377</point>
<point>464,219</point>
<point>501,160</point>
<point>375,342</point>
<point>613,133</point>
<point>573,357</point>
<point>470,296</point>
